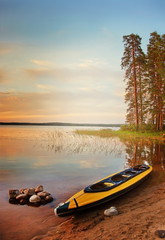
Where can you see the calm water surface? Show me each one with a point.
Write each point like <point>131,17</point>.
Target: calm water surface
<point>63,162</point>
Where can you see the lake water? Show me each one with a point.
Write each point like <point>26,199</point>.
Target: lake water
<point>63,162</point>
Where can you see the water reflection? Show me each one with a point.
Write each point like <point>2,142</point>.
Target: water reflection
<point>152,152</point>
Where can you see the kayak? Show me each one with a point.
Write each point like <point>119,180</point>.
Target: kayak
<point>104,190</point>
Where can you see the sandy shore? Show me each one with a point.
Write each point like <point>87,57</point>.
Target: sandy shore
<point>141,214</point>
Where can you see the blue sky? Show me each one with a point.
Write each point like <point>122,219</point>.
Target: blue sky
<point>60,59</point>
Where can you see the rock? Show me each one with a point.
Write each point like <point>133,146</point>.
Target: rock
<point>22,196</point>
<point>29,191</point>
<point>22,190</point>
<point>160,233</point>
<point>34,199</point>
<point>39,188</point>
<point>23,201</point>
<point>43,194</point>
<point>112,211</point>
<point>13,201</point>
<point>13,193</point>
<point>49,198</point>
<point>43,201</point>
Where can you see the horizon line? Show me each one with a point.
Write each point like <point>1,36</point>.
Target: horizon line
<point>61,123</point>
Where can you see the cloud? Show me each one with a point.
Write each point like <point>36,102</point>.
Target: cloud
<point>31,105</point>
<point>60,105</point>
<point>84,91</point>
<point>93,63</point>
<point>89,71</point>
<point>37,73</point>
<point>41,62</point>
<point>45,87</point>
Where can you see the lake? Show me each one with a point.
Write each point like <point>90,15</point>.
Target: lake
<point>63,162</point>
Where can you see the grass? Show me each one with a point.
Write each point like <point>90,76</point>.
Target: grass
<point>125,135</point>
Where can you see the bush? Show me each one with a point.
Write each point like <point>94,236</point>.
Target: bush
<point>130,127</point>
<point>143,127</point>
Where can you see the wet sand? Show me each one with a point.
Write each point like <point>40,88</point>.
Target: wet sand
<point>141,214</point>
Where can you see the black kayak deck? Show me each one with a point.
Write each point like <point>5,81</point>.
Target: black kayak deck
<point>115,180</point>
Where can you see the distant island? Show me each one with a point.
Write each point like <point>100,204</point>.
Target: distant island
<point>61,124</point>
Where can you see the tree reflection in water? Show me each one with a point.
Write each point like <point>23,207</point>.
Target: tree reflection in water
<point>145,150</point>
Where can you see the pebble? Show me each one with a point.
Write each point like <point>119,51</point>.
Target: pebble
<point>13,193</point>
<point>39,188</point>
<point>160,233</point>
<point>23,201</point>
<point>22,190</point>
<point>21,196</point>
<point>43,194</point>
<point>49,198</point>
<point>112,211</point>
<point>29,191</point>
<point>13,201</point>
<point>43,201</point>
<point>34,199</point>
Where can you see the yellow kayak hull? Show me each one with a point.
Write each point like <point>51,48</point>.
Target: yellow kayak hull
<point>104,190</point>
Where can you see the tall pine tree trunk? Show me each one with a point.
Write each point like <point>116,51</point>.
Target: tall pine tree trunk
<point>140,97</point>
<point>135,90</point>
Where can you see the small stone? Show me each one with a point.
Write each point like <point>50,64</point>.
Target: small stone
<point>29,191</point>
<point>39,188</point>
<point>13,201</point>
<point>22,196</point>
<point>160,233</point>
<point>43,194</point>
<point>112,211</point>
<point>13,193</point>
<point>22,190</point>
<point>43,201</point>
<point>34,199</point>
<point>49,198</point>
<point>23,201</point>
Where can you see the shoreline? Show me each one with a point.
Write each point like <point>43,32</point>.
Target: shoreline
<point>141,214</point>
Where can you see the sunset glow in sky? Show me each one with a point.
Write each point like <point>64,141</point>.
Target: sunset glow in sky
<point>60,59</point>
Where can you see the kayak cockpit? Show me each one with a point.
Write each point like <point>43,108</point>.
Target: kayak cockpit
<point>117,179</point>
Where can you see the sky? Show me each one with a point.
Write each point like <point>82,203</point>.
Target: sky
<point>60,60</point>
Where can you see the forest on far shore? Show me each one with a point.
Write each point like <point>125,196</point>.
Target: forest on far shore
<point>145,82</point>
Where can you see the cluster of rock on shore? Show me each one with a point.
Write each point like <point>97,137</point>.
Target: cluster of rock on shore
<point>30,196</point>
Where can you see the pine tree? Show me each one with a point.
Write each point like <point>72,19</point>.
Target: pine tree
<point>133,61</point>
<point>156,79</point>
